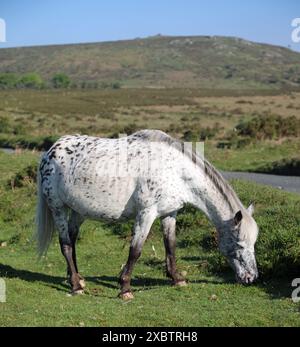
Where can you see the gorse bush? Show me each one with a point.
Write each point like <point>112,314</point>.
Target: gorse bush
<point>22,177</point>
<point>61,80</point>
<point>269,127</point>
<point>29,80</point>
<point>8,80</point>
<point>8,127</point>
<point>32,80</point>
<point>287,167</point>
<point>42,143</point>
<point>202,134</point>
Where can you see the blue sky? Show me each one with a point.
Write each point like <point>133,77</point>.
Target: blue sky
<point>42,22</point>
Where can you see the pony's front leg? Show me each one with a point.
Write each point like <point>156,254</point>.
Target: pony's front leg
<point>169,226</point>
<point>142,226</point>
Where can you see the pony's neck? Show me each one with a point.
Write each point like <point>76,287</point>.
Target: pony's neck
<point>215,207</point>
<point>214,196</point>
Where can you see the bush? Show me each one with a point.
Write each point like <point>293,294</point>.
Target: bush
<point>61,80</point>
<point>202,134</point>
<point>5,126</point>
<point>28,174</point>
<point>208,132</point>
<point>116,85</point>
<point>8,80</point>
<point>30,80</point>
<point>40,143</point>
<point>287,167</point>
<point>269,127</point>
<point>190,136</point>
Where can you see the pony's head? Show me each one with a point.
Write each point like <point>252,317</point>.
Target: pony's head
<point>236,241</point>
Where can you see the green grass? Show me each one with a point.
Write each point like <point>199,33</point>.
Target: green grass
<point>38,296</point>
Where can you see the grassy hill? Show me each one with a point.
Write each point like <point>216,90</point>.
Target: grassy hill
<point>163,61</point>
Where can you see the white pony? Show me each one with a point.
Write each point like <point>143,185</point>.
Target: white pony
<point>143,176</point>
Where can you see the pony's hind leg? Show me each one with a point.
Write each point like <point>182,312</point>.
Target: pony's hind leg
<point>169,226</point>
<point>61,221</point>
<point>74,224</point>
<point>141,230</point>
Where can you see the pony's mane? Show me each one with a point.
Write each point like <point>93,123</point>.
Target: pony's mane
<point>212,173</point>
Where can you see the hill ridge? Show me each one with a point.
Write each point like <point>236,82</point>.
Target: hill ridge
<point>163,61</point>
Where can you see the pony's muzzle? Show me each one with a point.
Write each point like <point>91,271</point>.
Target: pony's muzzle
<point>247,279</point>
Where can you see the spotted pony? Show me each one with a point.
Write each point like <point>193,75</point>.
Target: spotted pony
<point>144,176</point>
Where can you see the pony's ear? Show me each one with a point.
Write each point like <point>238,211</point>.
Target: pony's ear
<point>238,218</point>
<point>250,209</point>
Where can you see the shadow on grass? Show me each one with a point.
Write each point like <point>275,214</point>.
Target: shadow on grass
<point>110,282</point>
<point>277,289</point>
<point>147,283</point>
<point>56,282</point>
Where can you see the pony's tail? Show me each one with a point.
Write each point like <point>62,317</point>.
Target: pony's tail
<point>44,220</point>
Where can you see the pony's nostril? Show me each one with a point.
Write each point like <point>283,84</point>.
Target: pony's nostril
<point>248,279</point>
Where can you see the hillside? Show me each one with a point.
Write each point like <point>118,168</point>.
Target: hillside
<point>163,61</point>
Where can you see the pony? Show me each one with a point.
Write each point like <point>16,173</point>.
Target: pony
<point>144,176</point>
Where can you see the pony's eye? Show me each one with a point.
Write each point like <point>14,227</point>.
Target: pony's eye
<point>241,244</point>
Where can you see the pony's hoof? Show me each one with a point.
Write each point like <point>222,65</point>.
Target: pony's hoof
<point>78,292</point>
<point>82,283</point>
<point>181,284</point>
<point>126,296</point>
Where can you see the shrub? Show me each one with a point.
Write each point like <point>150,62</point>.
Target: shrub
<point>208,132</point>
<point>190,136</point>
<point>287,167</point>
<point>269,127</point>
<point>202,134</point>
<point>61,80</point>
<point>30,80</point>
<point>116,85</point>
<point>8,80</point>
<point>130,129</point>
<point>5,126</point>
<point>28,174</point>
<point>40,143</point>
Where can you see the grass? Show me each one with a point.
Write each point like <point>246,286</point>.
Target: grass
<point>38,296</point>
